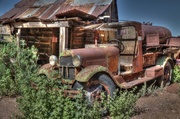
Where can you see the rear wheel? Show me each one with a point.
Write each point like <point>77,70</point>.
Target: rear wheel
<point>166,79</point>
<point>96,86</point>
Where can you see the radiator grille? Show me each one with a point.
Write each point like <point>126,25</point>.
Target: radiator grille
<point>67,69</point>
<point>66,61</point>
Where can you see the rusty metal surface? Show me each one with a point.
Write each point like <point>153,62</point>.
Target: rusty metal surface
<point>149,59</point>
<point>152,40</point>
<point>54,9</point>
<point>163,32</point>
<point>107,57</point>
<point>87,73</point>
<point>138,60</point>
<point>174,41</point>
<point>96,2</point>
<point>154,71</point>
<point>18,9</point>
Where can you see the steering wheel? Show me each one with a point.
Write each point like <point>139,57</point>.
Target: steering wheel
<point>119,43</point>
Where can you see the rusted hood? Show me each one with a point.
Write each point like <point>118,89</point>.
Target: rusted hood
<point>93,56</point>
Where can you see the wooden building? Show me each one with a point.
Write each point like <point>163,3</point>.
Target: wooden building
<point>53,25</point>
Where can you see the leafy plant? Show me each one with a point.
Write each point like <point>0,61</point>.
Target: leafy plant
<point>43,98</point>
<point>46,101</point>
<point>176,74</point>
<point>148,90</point>
<point>123,106</point>
<point>15,62</point>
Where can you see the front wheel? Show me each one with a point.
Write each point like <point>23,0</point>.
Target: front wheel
<point>96,86</point>
<point>166,79</point>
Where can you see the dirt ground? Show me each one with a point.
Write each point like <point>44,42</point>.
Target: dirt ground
<point>8,108</point>
<point>163,104</point>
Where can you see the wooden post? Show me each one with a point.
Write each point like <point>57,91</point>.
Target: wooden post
<point>18,37</point>
<point>63,39</point>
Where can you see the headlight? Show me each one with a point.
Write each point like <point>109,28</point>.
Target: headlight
<point>77,61</point>
<point>53,60</point>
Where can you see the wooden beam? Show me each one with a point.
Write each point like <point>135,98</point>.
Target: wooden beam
<point>42,24</point>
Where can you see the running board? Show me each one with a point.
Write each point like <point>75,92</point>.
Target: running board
<point>135,82</point>
<point>151,73</point>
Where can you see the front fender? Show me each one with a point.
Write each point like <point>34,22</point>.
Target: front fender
<point>48,71</point>
<point>87,73</point>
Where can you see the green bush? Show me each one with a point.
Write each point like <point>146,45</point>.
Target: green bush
<point>46,101</point>
<point>16,62</point>
<point>43,99</point>
<point>8,86</point>
<point>176,74</point>
<point>123,106</point>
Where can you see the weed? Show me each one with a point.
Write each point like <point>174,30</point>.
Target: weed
<point>43,99</point>
<point>176,74</point>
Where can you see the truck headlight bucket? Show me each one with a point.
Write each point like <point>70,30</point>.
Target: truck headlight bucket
<point>77,61</point>
<point>53,60</point>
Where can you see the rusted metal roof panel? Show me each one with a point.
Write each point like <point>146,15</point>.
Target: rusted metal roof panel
<point>67,8</point>
<point>18,9</point>
<point>96,2</point>
<point>10,13</point>
<point>28,13</point>
<point>54,9</point>
<point>99,10</point>
<point>50,13</point>
<point>76,13</point>
<point>39,3</point>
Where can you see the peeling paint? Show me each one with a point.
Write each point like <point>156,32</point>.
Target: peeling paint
<point>66,53</point>
<point>48,70</point>
<point>85,74</point>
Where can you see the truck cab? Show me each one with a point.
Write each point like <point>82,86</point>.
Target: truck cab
<point>125,54</point>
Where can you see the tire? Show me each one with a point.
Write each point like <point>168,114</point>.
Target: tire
<point>166,79</point>
<point>97,85</point>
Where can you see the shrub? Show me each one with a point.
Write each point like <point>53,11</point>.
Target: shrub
<point>123,106</point>
<point>8,86</point>
<point>15,62</point>
<point>176,74</point>
<point>48,102</point>
<point>149,89</point>
<point>44,99</point>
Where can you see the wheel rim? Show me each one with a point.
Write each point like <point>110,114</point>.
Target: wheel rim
<point>167,75</point>
<point>95,89</point>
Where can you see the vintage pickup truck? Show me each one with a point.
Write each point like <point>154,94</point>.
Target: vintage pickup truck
<point>132,53</point>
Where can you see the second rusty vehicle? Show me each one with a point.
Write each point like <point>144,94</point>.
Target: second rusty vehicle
<point>130,53</point>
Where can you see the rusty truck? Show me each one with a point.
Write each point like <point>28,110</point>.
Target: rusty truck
<point>125,54</point>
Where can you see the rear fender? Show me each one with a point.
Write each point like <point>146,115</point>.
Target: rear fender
<point>87,73</point>
<point>48,71</point>
<point>161,61</point>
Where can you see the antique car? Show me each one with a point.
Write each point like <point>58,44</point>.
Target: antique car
<point>130,54</point>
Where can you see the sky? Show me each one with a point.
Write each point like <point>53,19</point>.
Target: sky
<point>159,12</point>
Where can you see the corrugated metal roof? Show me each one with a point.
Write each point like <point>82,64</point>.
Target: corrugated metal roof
<point>43,3</point>
<point>96,2</point>
<point>54,9</point>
